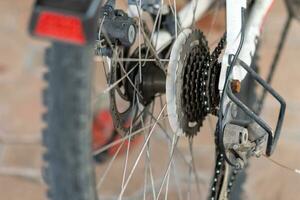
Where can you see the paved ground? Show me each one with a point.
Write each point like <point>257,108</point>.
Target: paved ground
<point>21,68</point>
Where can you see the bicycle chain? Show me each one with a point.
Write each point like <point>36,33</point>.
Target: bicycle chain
<point>220,161</point>
<point>219,177</point>
<point>215,73</point>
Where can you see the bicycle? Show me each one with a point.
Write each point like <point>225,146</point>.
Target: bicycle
<point>143,60</point>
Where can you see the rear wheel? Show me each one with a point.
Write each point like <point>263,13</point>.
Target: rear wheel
<point>156,162</point>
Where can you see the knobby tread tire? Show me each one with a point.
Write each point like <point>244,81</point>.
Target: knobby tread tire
<point>68,169</point>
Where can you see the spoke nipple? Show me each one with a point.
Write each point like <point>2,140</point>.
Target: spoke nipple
<point>235,86</point>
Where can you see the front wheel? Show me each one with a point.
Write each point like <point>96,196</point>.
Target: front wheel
<point>68,170</point>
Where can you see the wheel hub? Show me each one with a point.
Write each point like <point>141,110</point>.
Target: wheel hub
<point>136,90</point>
<point>152,80</point>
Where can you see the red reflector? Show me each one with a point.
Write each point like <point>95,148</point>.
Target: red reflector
<point>61,27</point>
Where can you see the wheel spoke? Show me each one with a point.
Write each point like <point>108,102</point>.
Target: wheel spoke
<point>174,12</point>
<point>194,12</point>
<point>174,144</point>
<point>127,149</point>
<point>115,53</point>
<point>169,139</point>
<point>194,166</point>
<point>140,154</point>
<point>148,159</point>
<point>144,121</point>
<point>100,182</point>
<point>116,142</point>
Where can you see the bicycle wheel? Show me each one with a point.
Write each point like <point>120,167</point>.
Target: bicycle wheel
<point>156,162</point>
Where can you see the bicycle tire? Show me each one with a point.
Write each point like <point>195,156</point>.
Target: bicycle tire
<point>68,171</point>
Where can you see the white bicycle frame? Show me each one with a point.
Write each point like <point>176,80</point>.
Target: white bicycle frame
<point>252,30</point>
<point>234,15</point>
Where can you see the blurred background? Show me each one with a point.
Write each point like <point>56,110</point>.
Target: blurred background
<point>21,69</point>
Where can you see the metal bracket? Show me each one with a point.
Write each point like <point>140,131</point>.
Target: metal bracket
<point>272,137</point>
